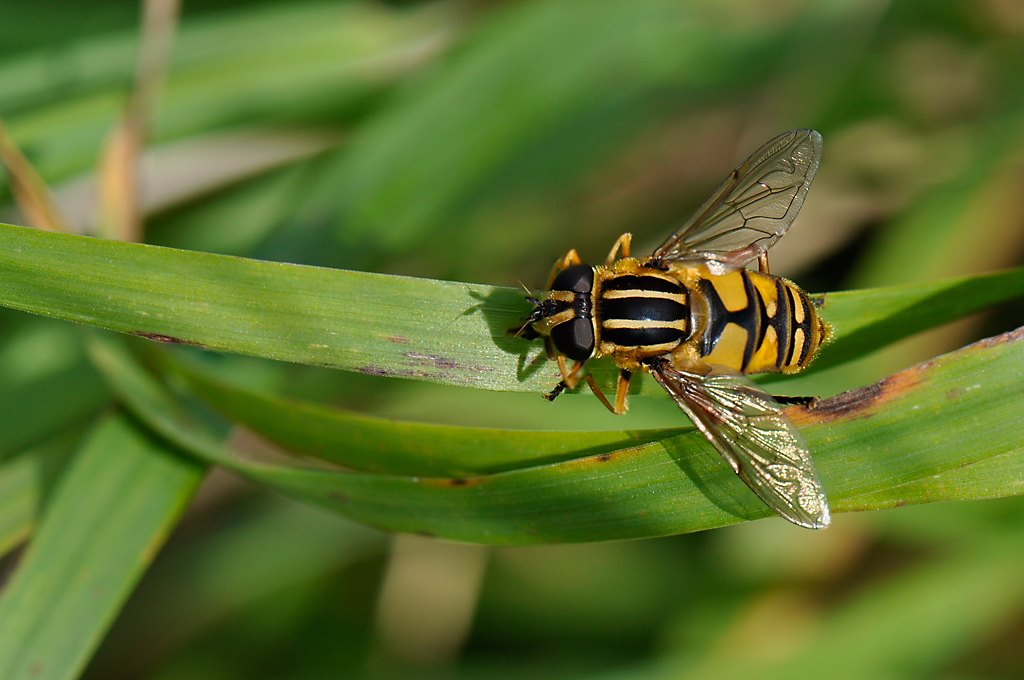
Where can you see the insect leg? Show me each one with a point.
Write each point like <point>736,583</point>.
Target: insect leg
<point>569,377</point>
<point>550,396</point>
<point>762,263</point>
<point>600,395</point>
<point>621,243</point>
<point>620,393</point>
<point>571,258</point>
<point>549,347</point>
<point>803,401</point>
<point>568,380</point>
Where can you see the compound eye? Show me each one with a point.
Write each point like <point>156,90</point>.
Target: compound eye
<point>578,278</point>
<point>574,338</point>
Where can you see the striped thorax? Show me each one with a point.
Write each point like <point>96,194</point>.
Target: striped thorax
<point>640,312</point>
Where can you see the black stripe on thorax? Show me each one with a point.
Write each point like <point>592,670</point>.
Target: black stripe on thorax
<point>643,282</point>
<point>642,337</point>
<point>642,309</point>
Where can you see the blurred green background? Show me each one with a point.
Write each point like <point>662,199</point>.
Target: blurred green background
<point>478,141</point>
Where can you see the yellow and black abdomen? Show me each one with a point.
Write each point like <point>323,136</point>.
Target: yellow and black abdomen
<point>757,323</point>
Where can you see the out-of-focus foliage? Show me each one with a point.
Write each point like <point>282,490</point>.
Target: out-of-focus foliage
<point>477,141</point>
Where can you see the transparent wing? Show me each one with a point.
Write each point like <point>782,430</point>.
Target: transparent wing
<point>747,426</point>
<point>753,208</point>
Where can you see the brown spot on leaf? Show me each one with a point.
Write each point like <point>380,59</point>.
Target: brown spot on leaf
<point>375,370</point>
<point>170,339</point>
<point>454,481</point>
<point>604,457</point>
<point>847,402</point>
<point>439,361</point>
<point>864,401</point>
<point>860,402</point>
<point>1009,336</point>
<point>400,339</point>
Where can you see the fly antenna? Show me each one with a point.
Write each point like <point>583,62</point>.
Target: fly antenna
<point>529,294</point>
<point>535,315</point>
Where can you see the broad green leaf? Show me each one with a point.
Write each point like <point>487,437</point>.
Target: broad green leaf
<point>444,332</point>
<point>110,513</point>
<point>930,422</point>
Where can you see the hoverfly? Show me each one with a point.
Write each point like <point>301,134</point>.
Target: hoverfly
<point>691,315</point>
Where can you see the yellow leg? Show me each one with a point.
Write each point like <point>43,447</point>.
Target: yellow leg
<point>621,243</point>
<point>571,258</point>
<point>569,377</point>
<point>623,389</point>
<point>620,393</point>
<point>598,393</point>
<point>762,263</point>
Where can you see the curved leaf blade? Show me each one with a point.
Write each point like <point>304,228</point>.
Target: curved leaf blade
<point>371,444</point>
<point>450,333</point>
<point>866,320</point>
<point>868,445</point>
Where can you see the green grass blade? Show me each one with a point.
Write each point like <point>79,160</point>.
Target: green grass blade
<point>921,620</point>
<point>316,61</point>
<point>380,325</point>
<point>866,320</point>
<point>46,383</point>
<point>111,512</point>
<point>918,619</point>
<point>930,421</point>
<point>372,444</point>
<point>25,480</point>
<point>450,333</point>
<point>270,547</point>
<point>521,80</point>
<point>35,410</point>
